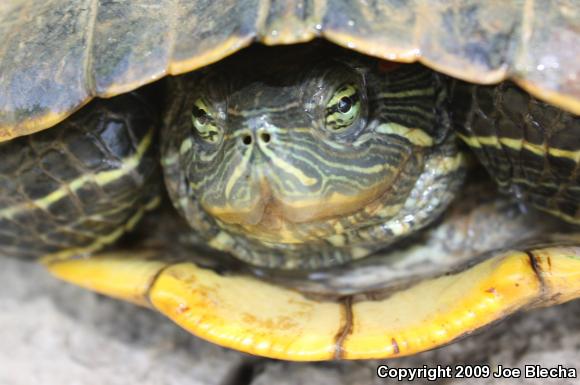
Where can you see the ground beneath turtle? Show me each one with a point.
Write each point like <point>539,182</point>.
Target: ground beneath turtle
<point>54,333</point>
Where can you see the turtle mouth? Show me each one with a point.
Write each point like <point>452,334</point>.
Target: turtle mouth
<point>273,217</point>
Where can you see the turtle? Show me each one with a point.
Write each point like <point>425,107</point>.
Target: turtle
<point>300,180</point>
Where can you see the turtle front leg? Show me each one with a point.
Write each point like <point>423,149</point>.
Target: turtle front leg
<point>530,148</point>
<point>78,186</point>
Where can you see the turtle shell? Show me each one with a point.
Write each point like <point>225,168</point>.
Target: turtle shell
<point>56,56</point>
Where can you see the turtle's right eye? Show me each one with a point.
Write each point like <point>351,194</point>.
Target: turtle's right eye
<point>204,123</point>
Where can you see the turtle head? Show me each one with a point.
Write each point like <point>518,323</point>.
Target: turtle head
<point>284,155</point>
<point>288,155</point>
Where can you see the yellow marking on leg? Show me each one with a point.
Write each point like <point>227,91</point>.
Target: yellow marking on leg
<point>518,144</point>
<point>102,178</point>
<point>106,239</point>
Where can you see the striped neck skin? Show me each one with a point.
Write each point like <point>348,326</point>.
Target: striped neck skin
<point>304,148</point>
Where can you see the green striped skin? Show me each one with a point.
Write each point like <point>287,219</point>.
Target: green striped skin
<point>73,188</point>
<point>308,158</point>
<point>530,148</point>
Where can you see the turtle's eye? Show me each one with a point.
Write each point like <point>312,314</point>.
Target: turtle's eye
<point>204,123</point>
<point>343,109</point>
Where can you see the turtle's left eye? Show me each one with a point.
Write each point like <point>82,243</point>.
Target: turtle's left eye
<point>343,109</point>
<point>204,123</point>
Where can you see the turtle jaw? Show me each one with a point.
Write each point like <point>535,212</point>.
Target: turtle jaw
<point>274,216</point>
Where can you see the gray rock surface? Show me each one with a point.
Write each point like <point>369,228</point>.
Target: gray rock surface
<point>54,333</point>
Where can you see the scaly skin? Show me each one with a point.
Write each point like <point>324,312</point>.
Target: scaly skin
<point>311,159</point>
<point>531,149</point>
<point>74,188</point>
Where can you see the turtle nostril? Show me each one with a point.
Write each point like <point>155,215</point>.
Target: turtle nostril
<point>265,137</point>
<point>247,139</point>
